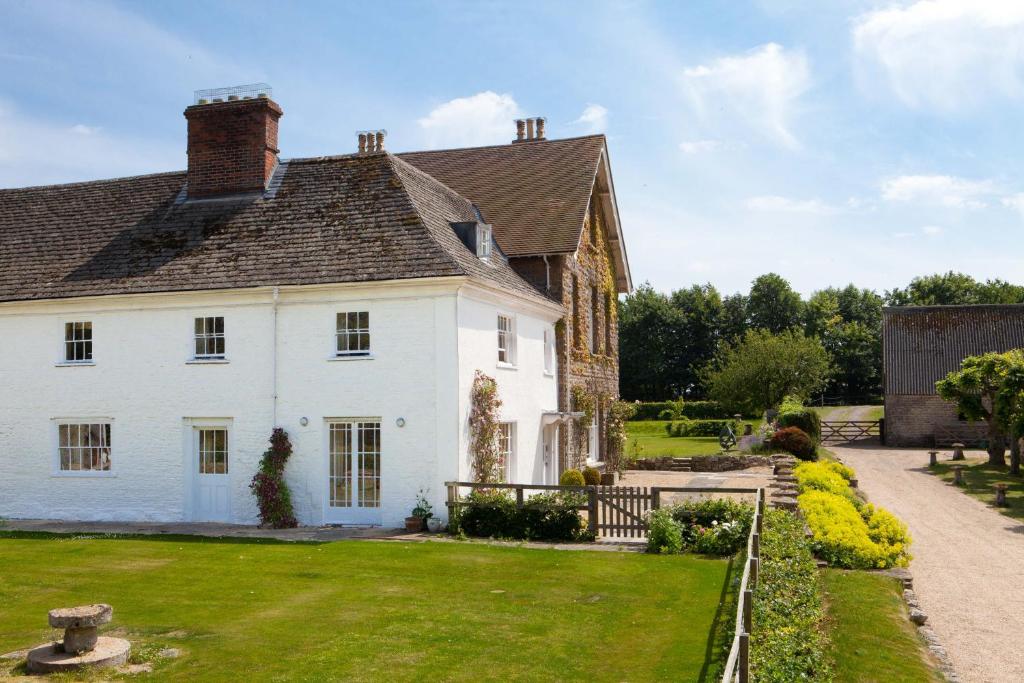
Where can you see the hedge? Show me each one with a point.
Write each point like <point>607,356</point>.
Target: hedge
<point>806,420</point>
<point>788,642</point>
<point>693,410</point>
<point>700,427</point>
<point>494,514</point>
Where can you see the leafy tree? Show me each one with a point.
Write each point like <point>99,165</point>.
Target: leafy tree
<point>695,340</point>
<point>648,328</point>
<point>1008,405</point>
<point>773,305</point>
<point>733,323</point>
<point>757,372</point>
<point>973,388</point>
<point>849,323</point>
<point>952,289</point>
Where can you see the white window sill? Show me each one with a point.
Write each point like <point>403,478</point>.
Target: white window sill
<point>507,366</point>
<point>207,361</point>
<point>82,474</point>
<point>332,359</point>
<point>73,363</point>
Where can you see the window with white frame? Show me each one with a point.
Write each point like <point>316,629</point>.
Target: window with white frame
<point>209,338</point>
<point>549,351</point>
<point>506,449</point>
<point>353,334</point>
<point>506,339</point>
<point>83,447</point>
<point>483,241</point>
<point>78,342</point>
<point>213,450</point>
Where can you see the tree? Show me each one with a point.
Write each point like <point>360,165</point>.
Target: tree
<point>1008,405</point>
<point>954,288</point>
<point>648,329</point>
<point>756,373</point>
<point>773,305</point>
<point>733,323</point>
<point>698,315</point>
<point>849,323</point>
<point>973,388</point>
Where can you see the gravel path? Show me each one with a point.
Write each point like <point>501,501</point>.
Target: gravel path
<point>968,561</point>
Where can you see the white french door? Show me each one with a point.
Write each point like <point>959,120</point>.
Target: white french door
<point>353,472</point>
<point>212,483</point>
<point>550,440</point>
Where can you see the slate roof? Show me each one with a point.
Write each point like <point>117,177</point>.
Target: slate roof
<point>535,194</point>
<point>922,344</point>
<point>351,218</point>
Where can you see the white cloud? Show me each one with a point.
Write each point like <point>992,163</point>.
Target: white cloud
<point>944,54</point>
<point>1015,201</point>
<point>594,117</point>
<point>932,230</point>
<point>482,119</point>
<point>35,152</point>
<point>759,88</point>
<point>699,146</point>
<point>941,190</point>
<point>777,204</point>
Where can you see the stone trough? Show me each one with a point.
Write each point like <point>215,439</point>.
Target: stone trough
<point>82,646</point>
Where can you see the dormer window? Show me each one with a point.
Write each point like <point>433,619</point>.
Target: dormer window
<point>483,241</point>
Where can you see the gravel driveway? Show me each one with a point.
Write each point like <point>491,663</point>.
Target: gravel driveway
<point>968,561</point>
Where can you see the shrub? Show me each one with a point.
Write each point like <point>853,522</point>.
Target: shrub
<point>713,527</point>
<point>494,514</point>
<point>804,419</point>
<point>870,538</point>
<point>572,478</point>
<point>591,476</point>
<point>652,410</point>
<point>842,470</point>
<point>268,485</point>
<point>664,534</point>
<point>674,410</point>
<point>820,477</point>
<point>795,441</point>
<point>788,642</point>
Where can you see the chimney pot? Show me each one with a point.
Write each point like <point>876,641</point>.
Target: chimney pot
<point>520,130</point>
<point>529,129</point>
<point>380,140</point>
<point>362,143</point>
<point>540,127</point>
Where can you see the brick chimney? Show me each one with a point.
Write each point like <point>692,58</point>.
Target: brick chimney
<point>530,130</point>
<point>232,145</point>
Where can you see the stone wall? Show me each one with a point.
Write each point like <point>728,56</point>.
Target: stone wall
<point>918,420</point>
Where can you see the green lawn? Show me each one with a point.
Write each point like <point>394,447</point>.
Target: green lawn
<point>647,439</point>
<point>366,611</point>
<point>979,478</point>
<point>841,413</point>
<point>872,639</point>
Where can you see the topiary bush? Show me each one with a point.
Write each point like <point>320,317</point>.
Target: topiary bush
<point>591,476</point>
<point>272,494</point>
<point>572,478</point>
<point>796,442</point>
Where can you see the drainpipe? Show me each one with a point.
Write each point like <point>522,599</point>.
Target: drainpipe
<point>547,274</point>
<point>273,361</point>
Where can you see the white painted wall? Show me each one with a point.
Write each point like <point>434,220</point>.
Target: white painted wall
<point>427,338</point>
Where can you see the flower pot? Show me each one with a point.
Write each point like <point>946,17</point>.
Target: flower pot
<point>607,479</point>
<point>434,524</point>
<point>414,524</point>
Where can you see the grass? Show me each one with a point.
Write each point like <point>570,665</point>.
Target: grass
<point>841,413</point>
<point>872,639</point>
<point>979,477</point>
<point>366,611</point>
<point>647,439</point>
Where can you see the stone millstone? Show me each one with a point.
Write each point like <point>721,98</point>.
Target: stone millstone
<point>51,657</point>
<point>87,616</point>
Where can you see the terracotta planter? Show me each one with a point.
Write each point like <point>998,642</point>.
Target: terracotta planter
<point>608,479</point>
<point>414,524</point>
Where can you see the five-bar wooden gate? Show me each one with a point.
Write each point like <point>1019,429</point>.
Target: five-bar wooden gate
<point>846,431</point>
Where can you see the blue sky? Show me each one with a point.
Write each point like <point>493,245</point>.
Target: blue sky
<point>833,142</point>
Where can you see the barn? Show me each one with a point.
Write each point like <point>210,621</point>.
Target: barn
<point>920,345</point>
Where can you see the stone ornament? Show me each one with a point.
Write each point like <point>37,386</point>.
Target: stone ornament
<point>82,646</point>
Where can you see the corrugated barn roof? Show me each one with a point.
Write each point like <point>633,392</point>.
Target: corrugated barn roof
<point>921,344</point>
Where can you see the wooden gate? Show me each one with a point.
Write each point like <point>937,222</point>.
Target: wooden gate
<point>622,511</point>
<point>845,431</point>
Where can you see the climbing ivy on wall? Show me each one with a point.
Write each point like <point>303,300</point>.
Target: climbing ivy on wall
<point>272,493</point>
<point>483,429</point>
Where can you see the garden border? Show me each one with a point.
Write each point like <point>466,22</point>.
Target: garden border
<point>737,665</point>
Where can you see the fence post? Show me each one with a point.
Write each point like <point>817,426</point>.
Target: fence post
<point>755,545</point>
<point>655,498</point>
<point>748,610</point>
<point>451,499</point>
<point>744,658</point>
<point>519,497</point>
<point>755,564</point>
<point>592,509</point>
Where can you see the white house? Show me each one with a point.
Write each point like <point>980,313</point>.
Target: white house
<point>156,329</point>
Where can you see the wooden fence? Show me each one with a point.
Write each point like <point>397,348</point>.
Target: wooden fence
<point>612,511</point>
<point>845,431</point>
<point>737,666</point>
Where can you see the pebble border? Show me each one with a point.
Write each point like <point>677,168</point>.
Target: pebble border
<point>919,618</point>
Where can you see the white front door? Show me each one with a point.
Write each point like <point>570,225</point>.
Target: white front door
<point>210,459</point>
<point>550,438</point>
<point>353,472</point>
